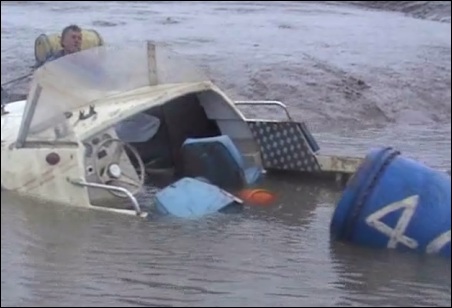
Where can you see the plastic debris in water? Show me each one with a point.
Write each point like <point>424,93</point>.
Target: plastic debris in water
<point>256,196</point>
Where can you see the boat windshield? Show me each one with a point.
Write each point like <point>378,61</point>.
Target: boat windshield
<point>76,81</point>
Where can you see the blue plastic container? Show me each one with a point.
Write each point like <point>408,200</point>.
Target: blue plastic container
<point>193,198</point>
<point>397,203</point>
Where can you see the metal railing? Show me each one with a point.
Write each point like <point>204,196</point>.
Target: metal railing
<point>266,103</point>
<point>132,198</point>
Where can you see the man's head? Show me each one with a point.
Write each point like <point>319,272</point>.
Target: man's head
<point>71,39</point>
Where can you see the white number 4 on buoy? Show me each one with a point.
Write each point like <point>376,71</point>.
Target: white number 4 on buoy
<point>397,235</point>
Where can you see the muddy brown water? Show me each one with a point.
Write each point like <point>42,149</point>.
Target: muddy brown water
<point>360,78</point>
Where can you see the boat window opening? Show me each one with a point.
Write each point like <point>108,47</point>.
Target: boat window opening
<point>179,119</point>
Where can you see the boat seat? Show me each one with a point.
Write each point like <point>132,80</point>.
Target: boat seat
<point>217,160</point>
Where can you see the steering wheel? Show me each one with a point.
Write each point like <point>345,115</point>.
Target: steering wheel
<point>108,169</point>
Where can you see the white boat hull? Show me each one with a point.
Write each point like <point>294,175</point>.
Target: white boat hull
<point>62,152</point>
<point>26,171</point>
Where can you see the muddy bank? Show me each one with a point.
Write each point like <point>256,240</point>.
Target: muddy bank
<point>431,10</point>
<point>339,67</point>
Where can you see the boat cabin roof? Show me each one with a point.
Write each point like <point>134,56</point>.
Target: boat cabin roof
<point>114,109</point>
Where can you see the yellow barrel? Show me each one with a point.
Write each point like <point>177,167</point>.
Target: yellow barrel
<point>48,45</point>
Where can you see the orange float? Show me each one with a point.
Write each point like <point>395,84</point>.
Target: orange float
<point>256,196</point>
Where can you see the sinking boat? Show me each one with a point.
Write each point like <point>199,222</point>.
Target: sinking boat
<point>101,125</point>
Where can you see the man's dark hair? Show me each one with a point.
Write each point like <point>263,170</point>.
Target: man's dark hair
<point>74,28</point>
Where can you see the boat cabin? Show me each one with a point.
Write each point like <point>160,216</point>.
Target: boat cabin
<point>103,123</point>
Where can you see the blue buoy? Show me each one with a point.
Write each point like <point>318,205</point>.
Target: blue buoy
<point>397,203</point>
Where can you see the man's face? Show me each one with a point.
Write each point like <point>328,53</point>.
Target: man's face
<point>72,41</point>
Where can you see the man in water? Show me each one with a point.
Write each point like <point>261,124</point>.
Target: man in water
<point>71,42</point>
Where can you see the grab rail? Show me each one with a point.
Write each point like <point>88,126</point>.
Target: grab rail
<point>268,103</point>
<point>110,187</point>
